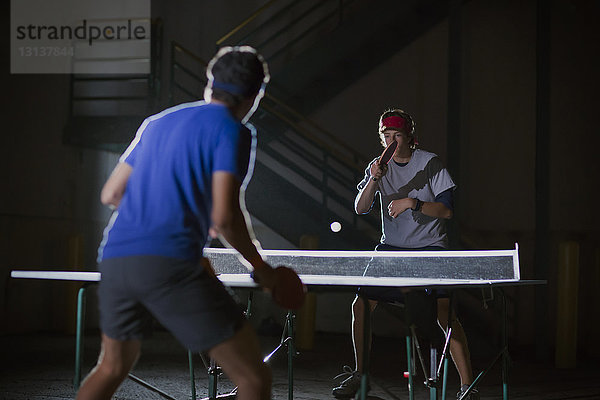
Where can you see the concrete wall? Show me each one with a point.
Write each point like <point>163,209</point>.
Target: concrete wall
<point>50,195</point>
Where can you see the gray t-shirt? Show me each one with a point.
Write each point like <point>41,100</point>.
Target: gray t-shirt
<point>423,178</point>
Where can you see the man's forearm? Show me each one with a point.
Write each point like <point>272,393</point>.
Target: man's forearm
<point>229,220</point>
<point>364,199</point>
<point>236,234</point>
<point>114,188</point>
<point>436,210</point>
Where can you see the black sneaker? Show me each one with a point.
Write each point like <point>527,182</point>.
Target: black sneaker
<point>473,394</point>
<point>349,385</point>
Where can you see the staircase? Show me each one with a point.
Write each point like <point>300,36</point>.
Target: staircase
<point>299,176</point>
<point>326,45</point>
<point>107,108</point>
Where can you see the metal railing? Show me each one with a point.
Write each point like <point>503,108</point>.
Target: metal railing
<point>248,20</point>
<point>120,94</point>
<point>294,147</point>
<point>285,27</point>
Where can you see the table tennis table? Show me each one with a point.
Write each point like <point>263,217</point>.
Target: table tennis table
<point>328,270</point>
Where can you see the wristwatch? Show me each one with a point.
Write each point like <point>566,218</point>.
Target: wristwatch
<point>418,205</point>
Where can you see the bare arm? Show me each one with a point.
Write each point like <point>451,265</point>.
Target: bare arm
<point>229,220</point>
<point>114,188</point>
<point>364,198</point>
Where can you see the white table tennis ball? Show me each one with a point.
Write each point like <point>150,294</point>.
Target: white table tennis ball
<point>335,226</point>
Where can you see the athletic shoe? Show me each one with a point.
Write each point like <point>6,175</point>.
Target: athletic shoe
<point>349,385</point>
<point>473,394</point>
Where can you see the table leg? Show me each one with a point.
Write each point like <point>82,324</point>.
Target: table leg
<point>502,356</point>
<point>291,354</point>
<point>445,378</point>
<point>192,377</point>
<point>446,351</point>
<point>433,373</point>
<point>79,336</point>
<point>505,346</point>
<point>409,357</point>
<point>364,379</point>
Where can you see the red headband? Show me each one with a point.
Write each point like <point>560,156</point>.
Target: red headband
<point>393,122</point>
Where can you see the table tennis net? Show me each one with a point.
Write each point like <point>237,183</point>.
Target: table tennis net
<point>471,265</point>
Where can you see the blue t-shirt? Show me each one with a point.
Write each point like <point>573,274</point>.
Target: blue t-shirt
<point>166,207</point>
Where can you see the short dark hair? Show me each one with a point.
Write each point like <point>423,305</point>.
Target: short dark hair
<point>237,73</point>
<point>396,112</point>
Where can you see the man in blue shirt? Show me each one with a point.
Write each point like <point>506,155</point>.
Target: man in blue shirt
<point>180,178</point>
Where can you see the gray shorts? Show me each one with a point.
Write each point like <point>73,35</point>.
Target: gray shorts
<point>194,306</point>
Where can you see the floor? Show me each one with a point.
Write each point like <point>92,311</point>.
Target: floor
<point>40,366</point>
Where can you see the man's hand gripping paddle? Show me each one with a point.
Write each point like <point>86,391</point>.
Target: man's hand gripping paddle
<point>387,154</point>
<point>288,290</point>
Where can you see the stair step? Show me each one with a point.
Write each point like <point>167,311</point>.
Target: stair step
<point>105,133</point>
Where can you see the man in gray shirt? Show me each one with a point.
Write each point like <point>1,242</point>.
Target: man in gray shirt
<point>416,199</point>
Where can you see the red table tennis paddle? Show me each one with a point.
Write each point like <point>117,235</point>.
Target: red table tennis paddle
<point>288,290</point>
<point>387,154</point>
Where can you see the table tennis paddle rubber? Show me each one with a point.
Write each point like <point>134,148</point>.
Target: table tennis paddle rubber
<point>288,290</point>
<point>387,154</point>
